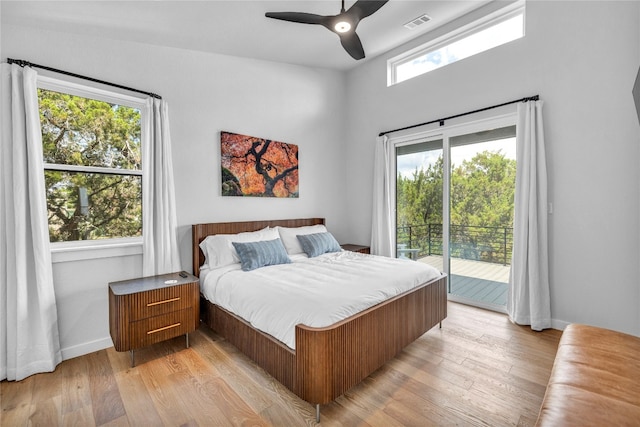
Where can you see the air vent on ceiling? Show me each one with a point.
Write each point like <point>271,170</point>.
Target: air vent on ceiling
<point>422,19</point>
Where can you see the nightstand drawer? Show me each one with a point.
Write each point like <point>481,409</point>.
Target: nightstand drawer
<point>159,328</point>
<point>160,301</point>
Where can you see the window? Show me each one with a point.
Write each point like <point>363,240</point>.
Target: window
<point>92,162</point>
<point>491,31</point>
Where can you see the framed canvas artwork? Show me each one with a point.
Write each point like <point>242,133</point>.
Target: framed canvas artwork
<point>258,167</point>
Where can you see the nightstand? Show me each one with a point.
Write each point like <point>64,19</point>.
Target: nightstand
<point>151,309</point>
<point>356,248</point>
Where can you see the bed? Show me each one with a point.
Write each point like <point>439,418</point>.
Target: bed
<point>327,361</point>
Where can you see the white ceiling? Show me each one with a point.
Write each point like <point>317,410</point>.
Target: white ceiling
<point>238,27</point>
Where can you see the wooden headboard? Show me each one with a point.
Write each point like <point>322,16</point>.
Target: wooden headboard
<point>200,231</point>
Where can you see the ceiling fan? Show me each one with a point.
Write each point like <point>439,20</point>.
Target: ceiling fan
<point>343,24</point>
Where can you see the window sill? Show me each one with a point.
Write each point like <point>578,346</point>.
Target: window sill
<point>95,249</point>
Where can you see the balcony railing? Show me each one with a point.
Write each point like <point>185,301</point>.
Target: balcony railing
<point>488,244</point>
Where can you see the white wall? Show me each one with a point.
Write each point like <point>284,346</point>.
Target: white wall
<point>206,94</point>
<point>582,58</point>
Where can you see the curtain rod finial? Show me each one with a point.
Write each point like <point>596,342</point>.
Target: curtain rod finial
<point>18,62</point>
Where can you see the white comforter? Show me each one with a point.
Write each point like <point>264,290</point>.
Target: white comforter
<point>316,292</point>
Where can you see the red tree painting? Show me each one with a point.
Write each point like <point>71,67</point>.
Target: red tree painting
<point>258,167</point>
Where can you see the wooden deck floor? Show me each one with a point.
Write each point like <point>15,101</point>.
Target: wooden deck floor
<point>476,280</point>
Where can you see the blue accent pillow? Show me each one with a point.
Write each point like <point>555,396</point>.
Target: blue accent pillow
<point>318,243</point>
<point>260,254</point>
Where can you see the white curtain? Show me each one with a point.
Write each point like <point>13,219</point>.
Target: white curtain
<point>159,223</point>
<point>29,340</point>
<point>529,301</point>
<point>382,223</point>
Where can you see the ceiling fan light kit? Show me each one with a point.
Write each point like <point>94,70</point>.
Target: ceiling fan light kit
<point>342,27</point>
<point>344,24</point>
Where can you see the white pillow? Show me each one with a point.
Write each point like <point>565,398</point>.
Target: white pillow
<point>289,239</point>
<point>219,251</point>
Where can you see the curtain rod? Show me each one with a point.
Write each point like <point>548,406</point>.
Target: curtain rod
<point>22,63</point>
<point>441,121</point>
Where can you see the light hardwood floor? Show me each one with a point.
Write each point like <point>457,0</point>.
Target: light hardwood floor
<point>479,369</point>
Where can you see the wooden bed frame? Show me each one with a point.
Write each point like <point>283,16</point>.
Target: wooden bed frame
<point>327,361</point>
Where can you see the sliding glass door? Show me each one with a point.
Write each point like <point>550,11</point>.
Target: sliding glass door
<point>454,208</point>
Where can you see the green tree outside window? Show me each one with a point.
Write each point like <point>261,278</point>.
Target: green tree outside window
<point>482,200</point>
<point>93,167</point>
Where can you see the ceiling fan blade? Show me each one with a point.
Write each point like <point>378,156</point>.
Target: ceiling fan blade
<point>363,8</point>
<point>352,44</point>
<point>299,17</point>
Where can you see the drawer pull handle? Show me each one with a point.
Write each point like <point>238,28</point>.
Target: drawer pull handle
<point>151,304</point>
<point>164,328</point>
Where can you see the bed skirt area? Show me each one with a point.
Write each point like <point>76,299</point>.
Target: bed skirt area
<point>329,361</point>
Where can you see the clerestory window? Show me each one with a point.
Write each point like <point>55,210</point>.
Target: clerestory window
<point>491,31</point>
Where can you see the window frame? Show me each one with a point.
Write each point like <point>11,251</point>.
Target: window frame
<point>102,248</point>
<point>487,21</point>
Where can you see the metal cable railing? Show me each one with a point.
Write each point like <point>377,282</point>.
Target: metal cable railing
<point>488,244</point>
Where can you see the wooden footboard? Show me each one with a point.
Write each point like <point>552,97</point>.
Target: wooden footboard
<point>329,361</point>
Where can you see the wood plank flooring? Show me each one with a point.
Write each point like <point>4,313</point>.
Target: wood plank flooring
<point>478,370</point>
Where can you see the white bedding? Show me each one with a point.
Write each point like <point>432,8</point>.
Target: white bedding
<point>316,292</point>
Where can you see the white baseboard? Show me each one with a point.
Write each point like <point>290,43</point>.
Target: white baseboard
<point>559,324</point>
<point>85,348</point>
